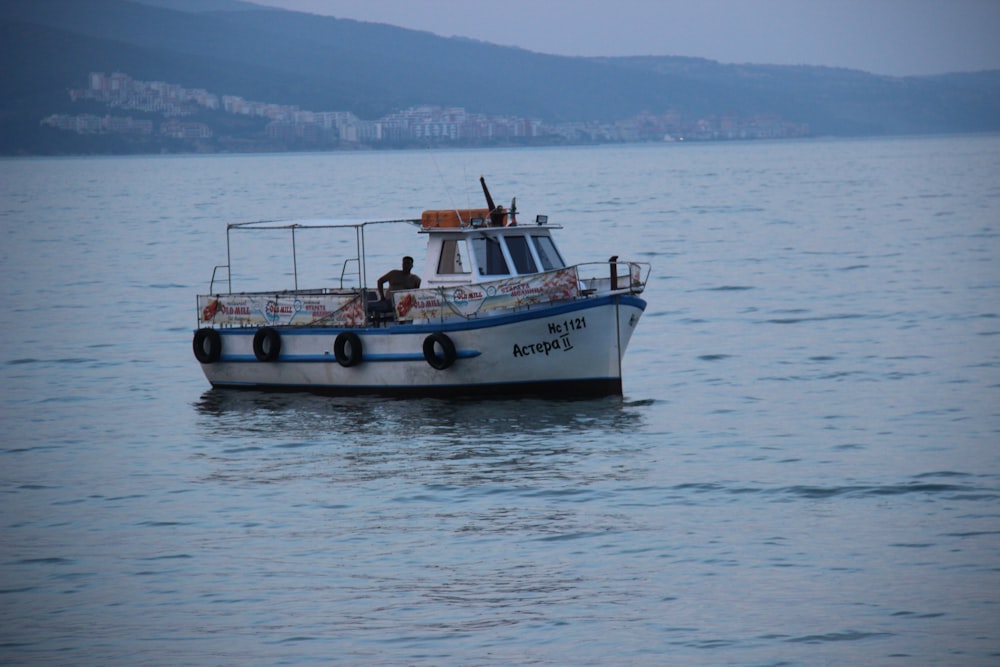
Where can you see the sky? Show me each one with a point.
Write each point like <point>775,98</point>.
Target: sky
<point>892,37</point>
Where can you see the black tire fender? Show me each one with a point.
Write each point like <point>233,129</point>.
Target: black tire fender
<point>448,352</point>
<point>266,344</point>
<point>207,345</point>
<point>347,349</point>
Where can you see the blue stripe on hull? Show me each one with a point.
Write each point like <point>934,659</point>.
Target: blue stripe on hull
<point>576,388</point>
<point>330,359</point>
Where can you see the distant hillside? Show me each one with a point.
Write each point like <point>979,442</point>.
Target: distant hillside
<point>844,101</point>
<point>328,64</point>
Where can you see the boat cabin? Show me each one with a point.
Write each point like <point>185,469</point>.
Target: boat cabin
<point>472,246</point>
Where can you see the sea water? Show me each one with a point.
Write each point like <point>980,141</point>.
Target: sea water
<point>804,468</point>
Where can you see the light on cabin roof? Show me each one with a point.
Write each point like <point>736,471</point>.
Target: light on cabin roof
<point>476,222</point>
<point>541,219</point>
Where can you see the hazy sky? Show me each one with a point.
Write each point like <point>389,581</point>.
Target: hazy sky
<point>896,37</point>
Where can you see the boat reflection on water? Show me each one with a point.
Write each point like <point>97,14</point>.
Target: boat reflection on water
<point>358,438</point>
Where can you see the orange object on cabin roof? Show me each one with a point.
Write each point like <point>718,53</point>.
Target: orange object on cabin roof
<point>454,217</point>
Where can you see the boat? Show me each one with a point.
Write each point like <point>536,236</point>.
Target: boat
<point>497,312</point>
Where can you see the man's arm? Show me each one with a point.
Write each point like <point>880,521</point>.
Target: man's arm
<point>383,279</point>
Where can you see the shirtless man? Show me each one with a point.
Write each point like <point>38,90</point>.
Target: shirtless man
<point>398,279</point>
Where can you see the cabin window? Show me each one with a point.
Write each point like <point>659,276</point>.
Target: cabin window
<point>547,253</point>
<point>450,261</point>
<point>489,256</point>
<point>520,253</point>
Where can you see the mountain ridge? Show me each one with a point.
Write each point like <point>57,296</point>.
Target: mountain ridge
<point>326,63</point>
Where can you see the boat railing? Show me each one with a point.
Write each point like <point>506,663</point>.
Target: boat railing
<point>614,276</point>
<point>343,270</point>
<point>211,284</point>
<point>350,307</point>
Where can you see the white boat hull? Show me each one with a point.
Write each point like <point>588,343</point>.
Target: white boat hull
<point>574,349</point>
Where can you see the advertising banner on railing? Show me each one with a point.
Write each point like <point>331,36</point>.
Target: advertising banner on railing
<point>262,310</point>
<point>471,300</point>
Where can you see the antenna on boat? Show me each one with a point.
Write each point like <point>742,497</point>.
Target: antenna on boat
<point>486,191</point>
<point>497,213</point>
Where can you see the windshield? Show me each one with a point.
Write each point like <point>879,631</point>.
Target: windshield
<point>521,254</point>
<point>489,257</point>
<point>547,253</point>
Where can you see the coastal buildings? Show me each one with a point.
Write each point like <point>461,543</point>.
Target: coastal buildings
<point>172,112</point>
